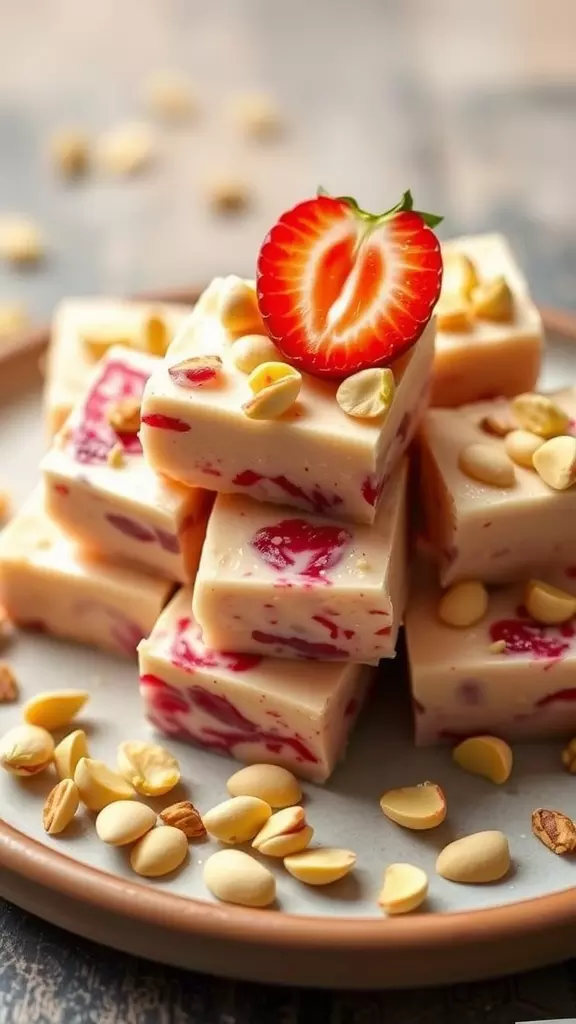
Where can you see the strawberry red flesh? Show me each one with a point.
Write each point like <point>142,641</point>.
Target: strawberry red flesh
<point>340,290</point>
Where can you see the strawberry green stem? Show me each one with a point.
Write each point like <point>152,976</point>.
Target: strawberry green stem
<point>406,204</point>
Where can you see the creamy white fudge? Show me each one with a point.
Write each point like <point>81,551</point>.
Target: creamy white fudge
<point>488,359</point>
<point>49,584</point>
<point>250,707</point>
<point>300,586</point>
<point>82,330</point>
<point>314,456</point>
<point>461,687</point>
<point>121,509</point>
<point>490,533</point>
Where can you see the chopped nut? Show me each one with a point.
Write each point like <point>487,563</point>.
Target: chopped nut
<point>196,371</point>
<point>70,152</point>
<point>463,604</point>
<point>548,605</point>
<point>234,877</point>
<point>556,830</point>
<point>123,415</point>
<point>169,95</point>
<point>126,150</point>
<point>285,832</point>
<point>540,415</point>
<point>13,318</point>
<point>368,394</point>
<point>269,782</point>
<point>555,462</point>
<point>184,816</point>
<point>156,335</point>
<point>237,820</point>
<point>98,339</point>
<point>453,313</point>
<point>68,753</point>
<point>26,750</point>
<point>239,311</point>
<point>520,445</point>
<point>271,373</point>
<point>416,807</point>
<point>20,240</point>
<point>55,708</point>
<point>256,115</point>
<point>405,888</point>
<point>99,785</point>
<point>569,757</point>
<point>475,859</point>
<point>497,425</point>
<point>276,399</point>
<point>60,807</point>
<point>115,457</point>
<point>148,767</point>
<point>497,647</point>
<point>252,350</point>
<point>487,464</point>
<point>488,756</point>
<point>228,195</point>
<point>459,276</point>
<point>493,300</point>
<point>321,866</point>
<point>124,821</point>
<point>8,684</point>
<point>159,852</point>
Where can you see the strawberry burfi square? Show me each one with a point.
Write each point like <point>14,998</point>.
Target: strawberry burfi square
<point>99,489</point>
<point>252,708</point>
<point>314,457</point>
<point>293,585</point>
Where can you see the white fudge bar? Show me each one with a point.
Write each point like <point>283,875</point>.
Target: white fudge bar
<point>123,511</point>
<point>299,586</point>
<point>491,358</point>
<point>48,584</point>
<point>82,330</point>
<point>314,456</point>
<point>483,532</point>
<point>252,708</point>
<point>460,687</point>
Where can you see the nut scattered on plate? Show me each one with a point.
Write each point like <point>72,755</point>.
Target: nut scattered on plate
<point>8,684</point>
<point>256,115</point>
<point>127,149</point>
<point>13,318</point>
<point>21,241</point>
<point>170,96</point>
<point>69,150</point>
<point>228,195</point>
<point>555,829</point>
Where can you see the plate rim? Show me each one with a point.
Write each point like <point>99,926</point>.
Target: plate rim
<point>56,870</point>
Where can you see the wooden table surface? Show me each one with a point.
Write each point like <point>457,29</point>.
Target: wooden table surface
<point>473,106</point>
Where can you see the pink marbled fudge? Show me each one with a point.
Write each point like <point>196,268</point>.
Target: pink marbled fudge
<point>301,586</point>
<point>314,457</point>
<point>461,687</point>
<point>252,708</point>
<point>123,511</point>
<point>48,583</point>
<point>496,534</point>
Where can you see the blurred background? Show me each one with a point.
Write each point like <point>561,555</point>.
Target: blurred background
<point>472,105</point>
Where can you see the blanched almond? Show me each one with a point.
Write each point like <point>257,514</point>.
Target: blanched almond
<point>487,464</point>
<point>416,807</point>
<point>68,753</point>
<point>273,401</point>
<point>520,445</point>
<point>99,785</point>
<point>285,832</point>
<point>488,756</point>
<point>549,605</point>
<point>234,877</point>
<point>269,782</point>
<point>55,708</point>
<point>480,857</point>
<point>124,821</point>
<point>239,311</point>
<point>251,350</point>
<point>463,604</point>
<point>321,866</point>
<point>367,394</point>
<point>540,415</point>
<point>159,852</point>
<point>237,820</point>
<point>404,889</point>
<point>555,462</point>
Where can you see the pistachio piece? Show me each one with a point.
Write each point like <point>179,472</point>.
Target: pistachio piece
<point>493,300</point>
<point>487,464</point>
<point>26,750</point>
<point>60,807</point>
<point>488,756</point>
<point>148,767</point>
<point>270,373</point>
<point>404,889</point>
<point>555,462</point>
<point>55,708</point>
<point>273,401</point>
<point>368,394</point>
<point>196,371</point>
<point>234,877</point>
<point>463,604</point>
<point>416,807</point>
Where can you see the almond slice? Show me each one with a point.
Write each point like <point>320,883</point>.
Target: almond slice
<point>488,756</point>
<point>404,889</point>
<point>549,605</point>
<point>416,807</point>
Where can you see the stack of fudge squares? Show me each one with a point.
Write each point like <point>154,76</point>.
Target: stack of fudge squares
<point>260,565</point>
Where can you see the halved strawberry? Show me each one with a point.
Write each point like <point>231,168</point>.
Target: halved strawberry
<point>341,290</point>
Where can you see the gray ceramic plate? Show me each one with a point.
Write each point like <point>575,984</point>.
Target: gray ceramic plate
<point>333,937</point>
